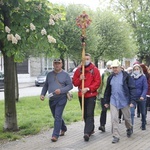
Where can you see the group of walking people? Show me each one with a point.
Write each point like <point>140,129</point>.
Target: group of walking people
<point>116,89</point>
<point>125,91</point>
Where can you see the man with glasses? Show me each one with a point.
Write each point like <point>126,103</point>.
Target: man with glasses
<point>92,82</point>
<point>120,93</point>
<point>58,83</point>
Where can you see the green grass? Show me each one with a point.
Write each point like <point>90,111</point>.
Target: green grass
<point>34,115</point>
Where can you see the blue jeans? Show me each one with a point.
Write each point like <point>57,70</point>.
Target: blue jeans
<point>132,110</point>
<point>57,107</point>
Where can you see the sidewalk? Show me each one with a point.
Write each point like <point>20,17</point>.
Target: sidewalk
<point>73,140</point>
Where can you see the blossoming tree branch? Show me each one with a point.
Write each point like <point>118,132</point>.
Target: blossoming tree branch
<point>27,28</point>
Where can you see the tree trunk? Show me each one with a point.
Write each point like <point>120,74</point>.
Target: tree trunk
<point>147,61</point>
<point>63,61</point>
<point>96,61</point>
<point>10,103</point>
<point>16,83</point>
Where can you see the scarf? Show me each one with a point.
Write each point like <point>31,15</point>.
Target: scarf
<point>136,76</point>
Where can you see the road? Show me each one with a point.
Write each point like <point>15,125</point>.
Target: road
<point>27,89</point>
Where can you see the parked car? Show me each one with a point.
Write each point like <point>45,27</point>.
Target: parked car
<point>1,80</point>
<point>41,78</point>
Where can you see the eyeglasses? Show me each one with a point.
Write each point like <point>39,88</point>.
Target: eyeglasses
<point>57,60</point>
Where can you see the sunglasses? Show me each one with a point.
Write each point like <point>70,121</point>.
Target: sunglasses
<point>57,60</point>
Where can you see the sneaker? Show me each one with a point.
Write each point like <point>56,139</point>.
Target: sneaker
<point>102,128</point>
<point>54,139</point>
<point>86,137</point>
<point>62,133</point>
<point>115,139</point>
<point>129,132</point>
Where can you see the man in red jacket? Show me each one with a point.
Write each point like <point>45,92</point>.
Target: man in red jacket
<point>92,82</point>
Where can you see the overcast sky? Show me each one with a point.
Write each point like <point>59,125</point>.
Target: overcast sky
<point>93,4</point>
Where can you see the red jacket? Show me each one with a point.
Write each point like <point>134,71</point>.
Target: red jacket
<point>92,80</point>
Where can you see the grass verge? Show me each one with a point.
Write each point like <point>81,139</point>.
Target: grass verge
<point>34,116</point>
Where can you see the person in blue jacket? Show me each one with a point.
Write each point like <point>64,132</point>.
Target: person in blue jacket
<point>141,85</point>
<point>120,93</point>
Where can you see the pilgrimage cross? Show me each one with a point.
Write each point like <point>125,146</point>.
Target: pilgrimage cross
<point>83,21</point>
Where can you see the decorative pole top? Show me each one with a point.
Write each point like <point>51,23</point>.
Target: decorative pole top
<point>83,21</point>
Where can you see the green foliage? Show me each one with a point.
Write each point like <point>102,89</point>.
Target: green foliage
<point>143,36</point>
<point>137,12</point>
<point>71,33</point>
<point>114,36</point>
<point>19,16</point>
<point>34,116</point>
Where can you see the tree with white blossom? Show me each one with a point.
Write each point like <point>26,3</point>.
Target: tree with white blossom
<point>26,28</point>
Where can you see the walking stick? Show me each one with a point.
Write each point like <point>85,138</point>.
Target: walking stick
<point>83,22</point>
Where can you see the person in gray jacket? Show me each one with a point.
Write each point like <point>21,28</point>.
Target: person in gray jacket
<point>58,83</point>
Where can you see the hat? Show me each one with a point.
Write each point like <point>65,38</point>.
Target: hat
<point>57,60</point>
<point>109,63</point>
<point>129,68</point>
<point>115,63</point>
<point>137,62</point>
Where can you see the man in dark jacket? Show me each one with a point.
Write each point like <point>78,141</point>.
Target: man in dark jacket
<point>120,93</point>
<point>92,82</point>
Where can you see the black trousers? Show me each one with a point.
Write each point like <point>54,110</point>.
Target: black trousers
<point>147,104</point>
<point>103,114</point>
<point>89,106</point>
<point>120,114</point>
<point>138,109</point>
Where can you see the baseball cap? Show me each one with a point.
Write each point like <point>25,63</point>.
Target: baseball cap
<point>57,60</point>
<point>115,63</point>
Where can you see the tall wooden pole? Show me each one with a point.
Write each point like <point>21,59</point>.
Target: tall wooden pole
<point>83,68</point>
<point>83,22</point>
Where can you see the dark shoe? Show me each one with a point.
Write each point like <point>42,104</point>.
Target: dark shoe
<point>91,133</point>
<point>129,132</point>
<point>119,120</point>
<point>138,115</point>
<point>115,139</point>
<point>62,133</point>
<point>54,139</point>
<point>102,128</point>
<point>86,137</point>
<point>143,127</point>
